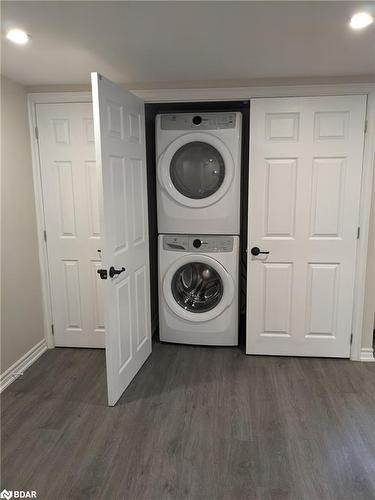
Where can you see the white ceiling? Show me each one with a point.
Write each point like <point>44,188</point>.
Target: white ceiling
<point>185,41</point>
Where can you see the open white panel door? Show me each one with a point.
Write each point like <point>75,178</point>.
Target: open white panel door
<point>121,157</point>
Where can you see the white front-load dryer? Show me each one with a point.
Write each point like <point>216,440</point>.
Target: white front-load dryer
<point>198,289</point>
<point>198,173</point>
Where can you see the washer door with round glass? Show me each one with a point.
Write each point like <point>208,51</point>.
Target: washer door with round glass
<point>196,169</point>
<point>198,288</point>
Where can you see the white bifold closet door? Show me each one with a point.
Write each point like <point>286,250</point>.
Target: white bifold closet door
<point>304,198</point>
<point>121,157</point>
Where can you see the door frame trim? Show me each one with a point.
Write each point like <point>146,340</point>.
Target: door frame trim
<point>368,164</point>
<point>216,94</point>
<point>32,101</point>
<point>179,95</point>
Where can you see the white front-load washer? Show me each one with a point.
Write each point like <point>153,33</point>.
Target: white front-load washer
<point>198,173</point>
<point>198,289</point>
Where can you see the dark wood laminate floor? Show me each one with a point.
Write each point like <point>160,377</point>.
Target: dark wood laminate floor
<point>196,423</point>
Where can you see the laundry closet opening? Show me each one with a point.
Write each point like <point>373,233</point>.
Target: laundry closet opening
<point>152,110</point>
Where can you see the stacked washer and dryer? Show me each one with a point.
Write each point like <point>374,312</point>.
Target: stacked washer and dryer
<point>198,203</point>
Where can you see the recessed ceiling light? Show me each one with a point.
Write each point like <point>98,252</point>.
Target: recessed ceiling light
<point>361,20</point>
<point>18,36</point>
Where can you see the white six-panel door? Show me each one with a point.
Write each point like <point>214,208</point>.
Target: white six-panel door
<point>304,196</point>
<point>121,156</point>
<point>71,209</point>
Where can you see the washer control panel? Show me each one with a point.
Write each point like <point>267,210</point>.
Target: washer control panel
<point>198,243</point>
<point>197,121</point>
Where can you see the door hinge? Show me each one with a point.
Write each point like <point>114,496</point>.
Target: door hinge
<point>45,235</point>
<point>366,125</point>
<point>358,232</point>
<point>53,329</point>
<point>351,339</point>
<point>36,133</point>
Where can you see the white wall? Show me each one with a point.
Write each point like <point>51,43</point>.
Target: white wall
<point>21,296</point>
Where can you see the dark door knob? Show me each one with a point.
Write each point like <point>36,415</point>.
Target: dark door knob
<point>257,251</point>
<point>113,272</point>
<point>102,273</point>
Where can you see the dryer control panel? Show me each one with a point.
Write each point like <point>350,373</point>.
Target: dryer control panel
<point>198,243</point>
<point>197,121</point>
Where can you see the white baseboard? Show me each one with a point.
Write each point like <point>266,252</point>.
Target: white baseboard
<point>367,354</point>
<point>19,367</point>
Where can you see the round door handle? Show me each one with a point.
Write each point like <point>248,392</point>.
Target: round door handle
<point>257,251</point>
<point>113,272</point>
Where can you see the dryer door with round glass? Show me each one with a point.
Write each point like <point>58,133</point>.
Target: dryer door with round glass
<point>196,169</point>
<point>198,288</point>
